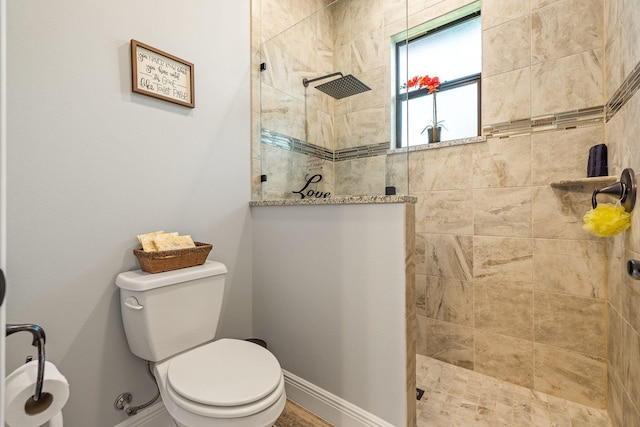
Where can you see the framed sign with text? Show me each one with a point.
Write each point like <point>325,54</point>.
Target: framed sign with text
<point>161,75</point>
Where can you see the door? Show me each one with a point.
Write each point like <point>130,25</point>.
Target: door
<point>3,191</point>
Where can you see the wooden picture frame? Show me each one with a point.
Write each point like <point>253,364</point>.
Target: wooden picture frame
<point>161,75</point>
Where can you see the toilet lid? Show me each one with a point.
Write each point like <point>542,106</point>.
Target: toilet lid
<point>226,372</point>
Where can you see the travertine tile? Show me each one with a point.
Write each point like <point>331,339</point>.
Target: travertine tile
<point>505,358</point>
<point>421,335</point>
<point>449,212</point>
<point>502,212</point>
<point>498,108</point>
<point>567,84</point>
<point>502,162</point>
<point>319,128</point>
<point>504,310</point>
<point>496,12</point>
<point>571,323</point>
<point>377,78</point>
<point>562,155</point>
<point>566,28</point>
<point>570,266</point>
<point>566,207</point>
<point>503,261</point>
<point>615,345</point>
<point>419,256</point>
<point>449,256</point>
<point>364,18</point>
<point>570,375</point>
<point>282,113</point>
<point>631,362</point>
<point>449,300</point>
<point>362,177</point>
<point>442,169</point>
<point>421,292</point>
<point>368,51</point>
<point>458,397</point>
<point>397,172</point>
<point>630,292</point>
<point>513,37</point>
<point>362,127</point>
<point>449,342</point>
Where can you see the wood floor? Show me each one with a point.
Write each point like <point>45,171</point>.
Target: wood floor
<point>297,416</point>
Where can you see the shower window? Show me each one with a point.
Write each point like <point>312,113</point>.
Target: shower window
<point>453,53</point>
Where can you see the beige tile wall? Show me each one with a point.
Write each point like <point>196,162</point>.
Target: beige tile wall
<point>507,282</point>
<point>622,54</point>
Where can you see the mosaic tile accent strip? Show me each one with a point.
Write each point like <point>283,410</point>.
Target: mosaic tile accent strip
<point>284,142</point>
<point>370,150</point>
<point>626,90</point>
<point>559,121</point>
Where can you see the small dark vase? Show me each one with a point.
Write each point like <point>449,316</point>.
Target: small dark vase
<point>434,134</point>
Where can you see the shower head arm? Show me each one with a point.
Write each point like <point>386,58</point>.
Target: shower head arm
<point>306,81</point>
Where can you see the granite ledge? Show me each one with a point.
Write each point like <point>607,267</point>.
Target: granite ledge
<point>346,200</point>
<point>433,145</point>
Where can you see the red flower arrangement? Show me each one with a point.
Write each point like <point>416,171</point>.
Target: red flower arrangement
<point>424,81</point>
<point>432,84</point>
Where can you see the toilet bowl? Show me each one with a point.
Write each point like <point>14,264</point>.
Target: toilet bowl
<point>229,382</point>
<point>170,318</point>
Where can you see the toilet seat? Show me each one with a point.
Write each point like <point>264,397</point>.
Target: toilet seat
<point>220,412</point>
<point>225,379</point>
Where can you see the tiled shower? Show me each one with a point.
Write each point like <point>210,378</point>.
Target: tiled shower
<point>508,283</point>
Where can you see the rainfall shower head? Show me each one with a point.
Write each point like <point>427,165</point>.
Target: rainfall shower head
<point>339,88</point>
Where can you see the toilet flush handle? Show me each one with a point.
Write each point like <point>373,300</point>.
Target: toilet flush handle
<point>133,303</point>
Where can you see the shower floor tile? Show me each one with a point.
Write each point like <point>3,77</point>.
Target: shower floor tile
<point>455,396</point>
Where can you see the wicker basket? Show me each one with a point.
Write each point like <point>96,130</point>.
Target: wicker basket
<point>157,262</point>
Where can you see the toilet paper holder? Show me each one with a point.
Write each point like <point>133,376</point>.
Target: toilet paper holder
<point>39,339</point>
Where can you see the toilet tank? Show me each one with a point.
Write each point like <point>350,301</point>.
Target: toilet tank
<point>167,313</point>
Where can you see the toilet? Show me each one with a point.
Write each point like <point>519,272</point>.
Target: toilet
<point>171,318</point>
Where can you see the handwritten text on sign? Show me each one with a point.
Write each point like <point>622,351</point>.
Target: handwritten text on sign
<point>160,75</point>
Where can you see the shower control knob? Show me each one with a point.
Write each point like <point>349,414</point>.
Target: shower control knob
<point>633,268</point>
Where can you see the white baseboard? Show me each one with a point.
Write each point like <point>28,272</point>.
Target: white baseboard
<point>155,415</point>
<point>328,406</point>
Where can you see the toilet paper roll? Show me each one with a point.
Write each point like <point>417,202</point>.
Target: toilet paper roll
<point>20,385</point>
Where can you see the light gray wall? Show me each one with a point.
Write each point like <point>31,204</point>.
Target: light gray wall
<point>90,165</point>
<point>329,299</point>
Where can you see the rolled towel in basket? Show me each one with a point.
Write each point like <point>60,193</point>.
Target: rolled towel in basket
<point>168,242</point>
<point>161,241</point>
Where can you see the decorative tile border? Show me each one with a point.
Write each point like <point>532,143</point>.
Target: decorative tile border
<point>284,142</point>
<point>370,150</point>
<point>558,121</point>
<point>627,89</point>
<point>288,143</point>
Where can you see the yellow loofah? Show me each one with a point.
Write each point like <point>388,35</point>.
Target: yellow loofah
<point>606,220</point>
